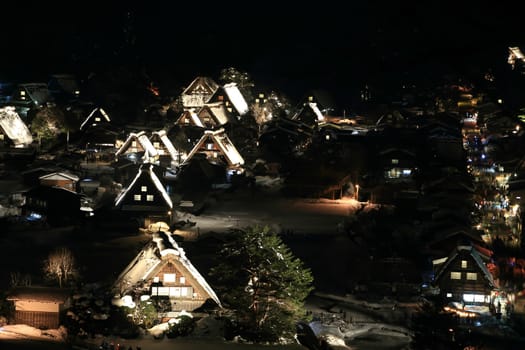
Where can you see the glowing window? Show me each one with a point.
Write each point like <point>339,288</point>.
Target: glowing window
<point>156,144</point>
<point>472,276</point>
<point>455,275</point>
<point>395,161</point>
<point>227,103</point>
<point>221,97</point>
<point>169,277</point>
<point>137,197</point>
<point>97,119</point>
<point>156,279</point>
<point>144,188</point>
<point>449,295</point>
<point>463,264</point>
<point>149,198</point>
<point>22,93</point>
<point>310,98</point>
<point>256,100</point>
<point>133,143</point>
<point>209,146</point>
<point>261,95</point>
<point>182,280</point>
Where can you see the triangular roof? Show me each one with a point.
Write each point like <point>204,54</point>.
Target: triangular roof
<point>474,254</point>
<point>222,141</point>
<point>59,176</point>
<point>91,118</point>
<point>217,110</point>
<point>192,116</point>
<point>37,92</point>
<point>14,127</point>
<point>161,250</point>
<point>143,140</point>
<point>162,135</point>
<point>144,175</point>
<point>309,107</point>
<point>236,98</point>
<point>201,85</point>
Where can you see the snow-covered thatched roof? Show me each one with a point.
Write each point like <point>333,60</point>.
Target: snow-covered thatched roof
<point>201,85</point>
<point>162,249</point>
<point>13,126</point>
<point>146,170</point>
<point>224,144</point>
<point>236,98</point>
<point>217,110</point>
<point>143,140</point>
<point>93,115</point>
<point>163,136</point>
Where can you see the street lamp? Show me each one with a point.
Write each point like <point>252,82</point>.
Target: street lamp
<point>357,192</point>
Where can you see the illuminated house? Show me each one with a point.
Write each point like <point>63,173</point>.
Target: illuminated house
<point>198,92</point>
<point>146,198</point>
<point>138,145</point>
<point>161,270</point>
<point>39,307</point>
<point>463,276</point>
<point>213,115</point>
<point>13,131</point>
<point>189,118</point>
<point>167,154</point>
<point>516,57</point>
<point>232,98</point>
<point>218,149</point>
<point>97,117</point>
<point>309,114</point>
<point>60,179</point>
<point>32,94</point>
<point>398,164</point>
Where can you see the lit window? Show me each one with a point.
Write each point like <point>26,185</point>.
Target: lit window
<point>256,100</point>
<point>156,144</point>
<point>156,279</point>
<point>209,146</point>
<point>97,119</point>
<point>144,188</point>
<point>455,275</point>
<point>395,161</point>
<point>472,276</point>
<point>186,120</point>
<point>463,264</point>
<point>133,143</point>
<point>149,198</point>
<point>137,197</point>
<point>261,95</point>
<point>227,103</point>
<point>310,98</point>
<point>230,110</point>
<point>169,277</point>
<point>22,93</point>
<point>449,295</point>
<point>221,97</point>
<point>182,280</point>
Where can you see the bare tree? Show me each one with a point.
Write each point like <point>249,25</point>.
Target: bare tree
<point>19,279</point>
<point>60,265</point>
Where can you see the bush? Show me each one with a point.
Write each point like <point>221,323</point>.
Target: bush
<point>183,326</point>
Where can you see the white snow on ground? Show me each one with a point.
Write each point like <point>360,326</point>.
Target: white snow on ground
<point>22,331</point>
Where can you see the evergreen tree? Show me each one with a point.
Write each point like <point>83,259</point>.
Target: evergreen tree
<point>263,283</point>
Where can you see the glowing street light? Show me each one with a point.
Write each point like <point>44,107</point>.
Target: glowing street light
<point>357,192</point>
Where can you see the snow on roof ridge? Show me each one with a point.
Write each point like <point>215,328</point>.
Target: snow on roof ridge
<point>14,127</point>
<point>236,97</point>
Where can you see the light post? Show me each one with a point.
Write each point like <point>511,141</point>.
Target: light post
<point>357,192</point>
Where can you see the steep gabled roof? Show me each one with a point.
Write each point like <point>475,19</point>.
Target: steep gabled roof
<point>162,135</point>
<point>236,98</point>
<point>144,142</point>
<point>94,113</point>
<point>161,250</point>
<point>217,110</point>
<point>145,172</point>
<point>224,144</point>
<point>201,85</point>
<point>13,126</point>
<point>472,252</point>
<point>193,116</point>
<point>309,107</point>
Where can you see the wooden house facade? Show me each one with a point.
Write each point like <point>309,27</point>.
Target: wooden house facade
<point>60,179</point>
<point>168,156</point>
<point>39,307</point>
<point>198,92</point>
<point>162,270</point>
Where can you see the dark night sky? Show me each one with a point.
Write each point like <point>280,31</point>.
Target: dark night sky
<point>322,45</point>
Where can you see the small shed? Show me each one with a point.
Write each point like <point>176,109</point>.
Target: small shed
<point>39,307</point>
